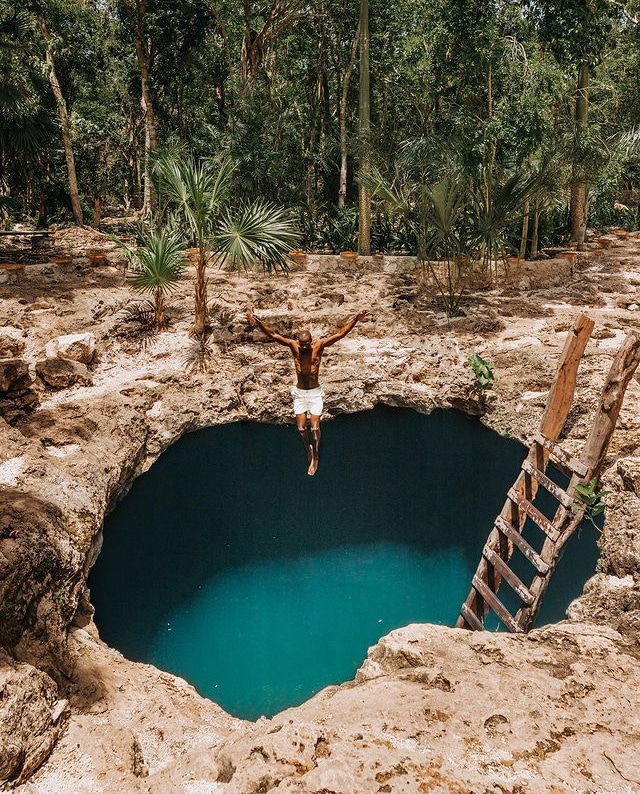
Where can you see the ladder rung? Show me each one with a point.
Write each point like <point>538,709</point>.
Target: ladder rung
<point>555,490</point>
<point>535,515</point>
<point>494,602</point>
<point>561,458</point>
<point>525,595</point>
<point>472,619</point>
<point>516,538</point>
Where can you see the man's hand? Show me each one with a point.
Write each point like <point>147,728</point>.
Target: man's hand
<point>251,318</point>
<point>361,315</point>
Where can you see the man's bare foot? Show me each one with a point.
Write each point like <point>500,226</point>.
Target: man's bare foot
<point>313,467</point>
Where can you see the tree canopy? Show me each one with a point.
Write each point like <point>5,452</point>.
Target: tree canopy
<point>479,89</point>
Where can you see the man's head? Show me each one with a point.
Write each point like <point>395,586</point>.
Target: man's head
<point>304,339</point>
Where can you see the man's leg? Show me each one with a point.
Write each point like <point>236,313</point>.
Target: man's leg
<point>315,432</point>
<point>301,421</point>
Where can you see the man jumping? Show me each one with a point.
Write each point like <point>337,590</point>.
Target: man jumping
<point>307,394</point>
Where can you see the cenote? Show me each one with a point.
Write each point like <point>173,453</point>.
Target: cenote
<point>227,565</point>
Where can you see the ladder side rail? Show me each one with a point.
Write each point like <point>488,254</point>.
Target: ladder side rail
<point>559,403</point>
<point>622,370</point>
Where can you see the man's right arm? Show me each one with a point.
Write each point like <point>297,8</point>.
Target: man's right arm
<point>283,340</point>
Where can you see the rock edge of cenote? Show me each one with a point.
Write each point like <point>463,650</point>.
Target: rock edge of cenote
<point>431,708</point>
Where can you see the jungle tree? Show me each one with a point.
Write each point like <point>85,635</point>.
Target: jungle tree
<point>364,127</point>
<point>577,31</point>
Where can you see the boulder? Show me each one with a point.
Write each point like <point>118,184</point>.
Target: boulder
<point>75,347</point>
<point>14,374</point>
<point>60,373</point>
<point>11,343</point>
<point>32,719</point>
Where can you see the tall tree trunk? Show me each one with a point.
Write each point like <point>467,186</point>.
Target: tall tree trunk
<point>200,293</point>
<point>364,197</point>
<point>525,230</point>
<point>488,177</point>
<point>64,124</point>
<point>133,161</point>
<point>159,309</point>
<point>97,212</point>
<point>342,118</point>
<point>579,186</point>
<point>534,231</point>
<point>143,53</point>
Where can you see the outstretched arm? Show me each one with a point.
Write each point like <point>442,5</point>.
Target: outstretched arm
<point>283,340</point>
<point>333,338</point>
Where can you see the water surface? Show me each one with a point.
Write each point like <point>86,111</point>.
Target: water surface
<point>226,564</point>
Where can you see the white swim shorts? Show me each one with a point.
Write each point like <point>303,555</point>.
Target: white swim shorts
<point>307,400</point>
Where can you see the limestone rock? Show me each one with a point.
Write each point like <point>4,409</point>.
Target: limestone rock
<point>11,343</point>
<point>31,719</point>
<point>16,395</point>
<point>60,373</point>
<point>76,347</point>
<point>432,709</point>
<point>14,374</point>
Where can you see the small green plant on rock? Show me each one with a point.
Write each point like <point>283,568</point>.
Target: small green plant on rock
<point>157,268</point>
<point>591,500</point>
<point>483,371</point>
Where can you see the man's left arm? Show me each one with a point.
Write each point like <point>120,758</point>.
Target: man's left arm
<point>326,341</point>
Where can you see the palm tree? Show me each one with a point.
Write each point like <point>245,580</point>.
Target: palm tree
<point>158,266</point>
<point>257,233</point>
<point>492,211</point>
<point>434,215</point>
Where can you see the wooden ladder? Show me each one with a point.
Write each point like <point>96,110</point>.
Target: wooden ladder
<point>507,532</point>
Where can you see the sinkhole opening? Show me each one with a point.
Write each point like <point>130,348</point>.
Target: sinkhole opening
<point>230,567</point>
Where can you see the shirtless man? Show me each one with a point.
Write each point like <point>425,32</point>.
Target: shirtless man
<point>307,394</point>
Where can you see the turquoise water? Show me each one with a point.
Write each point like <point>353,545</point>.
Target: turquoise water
<point>227,565</point>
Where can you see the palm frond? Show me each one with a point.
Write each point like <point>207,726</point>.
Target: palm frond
<point>157,265</point>
<point>257,234</point>
<point>395,199</point>
<point>628,144</point>
<point>195,189</point>
<point>199,356</point>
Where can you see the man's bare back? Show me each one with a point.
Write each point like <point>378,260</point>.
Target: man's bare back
<point>307,357</point>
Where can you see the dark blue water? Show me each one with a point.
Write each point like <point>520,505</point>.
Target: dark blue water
<point>227,565</point>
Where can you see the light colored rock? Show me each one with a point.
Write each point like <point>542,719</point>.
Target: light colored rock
<point>10,470</point>
<point>77,347</point>
<point>28,729</point>
<point>455,711</point>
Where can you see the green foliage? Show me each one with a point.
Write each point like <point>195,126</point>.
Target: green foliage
<point>244,235</point>
<point>158,264</point>
<point>483,372</point>
<point>494,204</point>
<point>577,31</point>
<point>195,201</point>
<point>157,268</point>
<point>256,234</point>
<point>462,90</point>
<point>591,500</point>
